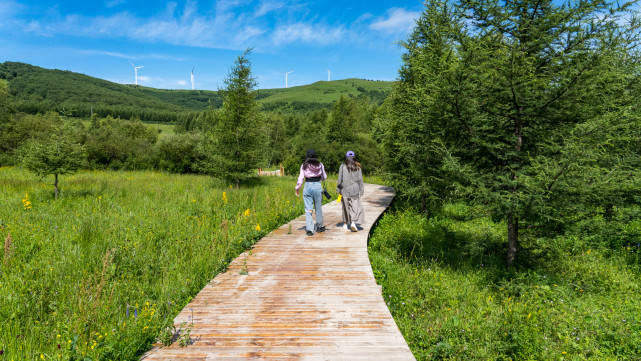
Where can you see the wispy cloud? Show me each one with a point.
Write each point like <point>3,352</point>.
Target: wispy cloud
<point>127,56</point>
<point>230,24</point>
<point>181,82</point>
<point>398,20</point>
<point>267,7</point>
<point>307,33</point>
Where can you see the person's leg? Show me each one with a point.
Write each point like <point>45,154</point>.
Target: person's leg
<point>344,211</point>
<point>351,209</point>
<point>308,199</point>
<point>346,221</point>
<point>360,213</point>
<point>318,203</point>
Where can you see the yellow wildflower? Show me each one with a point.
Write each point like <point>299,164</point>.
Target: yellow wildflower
<point>247,212</point>
<point>26,203</point>
<point>225,197</point>
<point>340,198</point>
<point>258,227</point>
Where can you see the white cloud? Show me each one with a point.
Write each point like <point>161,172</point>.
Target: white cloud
<point>267,7</point>
<point>144,79</point>
<point>127,56</point>
<point>397,21</point>
<point>227,25</point>
<point>224,30</point>
<point>181,82</point>
<point>307,33</point>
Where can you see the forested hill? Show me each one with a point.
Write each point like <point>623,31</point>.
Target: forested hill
<point>37,90</point>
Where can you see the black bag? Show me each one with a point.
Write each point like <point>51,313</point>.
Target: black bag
<point>326,194</point>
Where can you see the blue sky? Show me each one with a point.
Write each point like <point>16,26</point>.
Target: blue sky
<point>353,39</point>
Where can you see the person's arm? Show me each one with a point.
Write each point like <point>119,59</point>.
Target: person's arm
<point>361,183</point>
<point>301,179</point>
<point>323,175</point>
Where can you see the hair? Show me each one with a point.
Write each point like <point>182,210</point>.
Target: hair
<point>351,164</point>
<point>311,159</point>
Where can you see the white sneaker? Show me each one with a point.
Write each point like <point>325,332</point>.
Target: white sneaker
<point>345,227</point>
<point>353,227</point>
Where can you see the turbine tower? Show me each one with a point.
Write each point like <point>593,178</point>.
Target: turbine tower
<point>328,75</point>
<point>286,74</point>
<point>192,78</point>
<point>136,72</point>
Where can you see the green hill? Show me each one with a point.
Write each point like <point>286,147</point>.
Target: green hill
<point>37,90</point>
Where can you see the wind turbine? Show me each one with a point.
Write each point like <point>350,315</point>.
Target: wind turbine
<point>287,73</point>
<point>136,72</point>
<point>192,78</point>
<point>328,75</point>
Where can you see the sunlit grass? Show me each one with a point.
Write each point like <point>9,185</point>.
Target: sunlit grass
<point>446,285</point>
<point>99,272</point>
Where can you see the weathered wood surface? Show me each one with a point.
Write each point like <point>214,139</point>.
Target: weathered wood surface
<point>303,298</point>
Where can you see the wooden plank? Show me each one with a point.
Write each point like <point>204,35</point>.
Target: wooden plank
<point>303,298</point>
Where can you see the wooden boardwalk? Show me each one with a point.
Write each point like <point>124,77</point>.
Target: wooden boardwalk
<point>303,298</point>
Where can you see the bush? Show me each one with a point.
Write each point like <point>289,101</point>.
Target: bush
<point>179,153</point>
<point>116,144</point>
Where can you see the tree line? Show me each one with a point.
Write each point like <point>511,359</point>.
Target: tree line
<point>230,141</point>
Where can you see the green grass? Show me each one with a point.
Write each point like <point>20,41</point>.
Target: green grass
<point>324,92</point>
<point>98,273</point>
<point>446,285</point>
<point>164,130</point>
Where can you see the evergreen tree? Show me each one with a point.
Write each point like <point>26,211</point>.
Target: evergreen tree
<point>235,143</point>
<point>58,155</point>
<point>519,102</point>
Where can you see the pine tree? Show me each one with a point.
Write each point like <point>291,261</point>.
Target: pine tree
<point>235,142</point>
<point>523,104</point>
<point>58,155</point>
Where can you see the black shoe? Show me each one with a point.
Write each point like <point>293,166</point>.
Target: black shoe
<point>310,233</point>
<point>321,229</point>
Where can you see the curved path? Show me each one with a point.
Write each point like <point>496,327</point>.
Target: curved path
<point>303,298</point>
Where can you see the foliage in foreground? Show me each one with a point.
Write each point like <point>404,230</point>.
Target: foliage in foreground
<point>445,282</point>
<point>101,271</point>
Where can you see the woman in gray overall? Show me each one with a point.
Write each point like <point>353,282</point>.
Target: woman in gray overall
<point>350,186</point>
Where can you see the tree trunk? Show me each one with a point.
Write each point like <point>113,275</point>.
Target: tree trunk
<point>55,184</point>
<point>512,238</point>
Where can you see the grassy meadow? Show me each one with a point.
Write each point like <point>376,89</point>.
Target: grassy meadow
<point>445,282</point>
<point>99,273</point>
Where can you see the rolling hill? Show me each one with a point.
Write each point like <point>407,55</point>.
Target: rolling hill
<point>35,89</point>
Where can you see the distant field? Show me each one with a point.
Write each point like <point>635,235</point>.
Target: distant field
<point>326,92</point>
<point>99,272</point>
